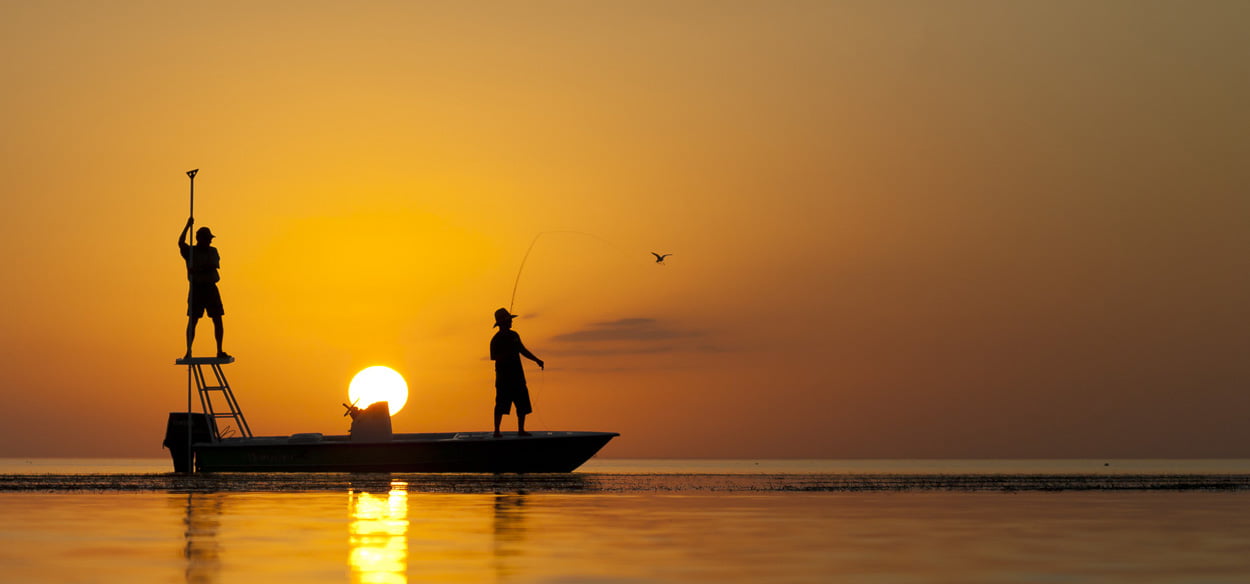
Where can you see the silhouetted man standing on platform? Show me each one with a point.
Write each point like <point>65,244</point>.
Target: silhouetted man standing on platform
<point>203,297</point>
<point>506,351</point>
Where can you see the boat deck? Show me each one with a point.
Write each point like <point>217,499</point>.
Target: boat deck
<point>315,438</point>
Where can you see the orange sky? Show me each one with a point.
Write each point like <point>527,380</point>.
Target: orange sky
<point>900,229</point>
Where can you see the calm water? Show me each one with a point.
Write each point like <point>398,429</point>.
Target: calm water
<point>634,521</point>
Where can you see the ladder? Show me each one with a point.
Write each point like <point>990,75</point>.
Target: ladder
<point>225,396</point>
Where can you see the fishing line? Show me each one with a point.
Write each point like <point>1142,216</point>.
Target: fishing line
<point>542,383</point>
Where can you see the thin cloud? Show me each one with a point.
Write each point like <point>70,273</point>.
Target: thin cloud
<point>625,336</point>
<point>626,329</point>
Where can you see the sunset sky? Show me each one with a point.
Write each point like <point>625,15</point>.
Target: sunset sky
<point>899,229</point>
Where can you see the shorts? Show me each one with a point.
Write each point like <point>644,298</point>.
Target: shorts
<point>204,298</point>
<point>507,394</point>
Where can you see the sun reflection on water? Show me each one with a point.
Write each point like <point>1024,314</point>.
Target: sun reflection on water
<point>379,536</point>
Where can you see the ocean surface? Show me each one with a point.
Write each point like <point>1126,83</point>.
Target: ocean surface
<point>878,521</point>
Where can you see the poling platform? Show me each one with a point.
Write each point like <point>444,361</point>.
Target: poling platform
<point>204,361</point>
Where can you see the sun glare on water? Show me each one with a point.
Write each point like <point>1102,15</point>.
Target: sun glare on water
<point>378,383</point>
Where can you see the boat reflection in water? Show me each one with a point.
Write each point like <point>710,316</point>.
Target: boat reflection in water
<point>509,534</point>
<point>201,550</point>
<point>378,535</point>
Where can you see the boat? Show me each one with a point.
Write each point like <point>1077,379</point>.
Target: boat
<point>197,443</point>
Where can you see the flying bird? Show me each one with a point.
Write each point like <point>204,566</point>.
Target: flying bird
<point>659,258</point>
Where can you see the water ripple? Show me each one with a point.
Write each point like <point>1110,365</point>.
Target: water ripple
<point>614,483</point>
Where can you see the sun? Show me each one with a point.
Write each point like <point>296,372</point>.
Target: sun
<point>378,383</point>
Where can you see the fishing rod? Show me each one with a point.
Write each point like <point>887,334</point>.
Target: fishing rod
<point>516,283</point>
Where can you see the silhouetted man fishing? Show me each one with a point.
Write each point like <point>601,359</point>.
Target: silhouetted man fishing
<point>506,351</point>
<point>203,297</point>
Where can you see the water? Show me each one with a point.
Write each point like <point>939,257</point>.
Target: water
<point>634,521</point>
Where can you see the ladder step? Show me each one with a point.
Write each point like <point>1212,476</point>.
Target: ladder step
<point>232,411</point>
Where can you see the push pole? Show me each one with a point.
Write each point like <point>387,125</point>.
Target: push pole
<point>190,304</point>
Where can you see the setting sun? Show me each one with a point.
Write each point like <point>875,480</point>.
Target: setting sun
<point>378,383</point>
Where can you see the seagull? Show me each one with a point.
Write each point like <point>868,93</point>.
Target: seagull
<point>659,258</point>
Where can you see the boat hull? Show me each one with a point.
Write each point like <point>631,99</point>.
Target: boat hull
<point>479,452</point>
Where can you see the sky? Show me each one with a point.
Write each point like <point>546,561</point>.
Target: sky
<point>899,229</point>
